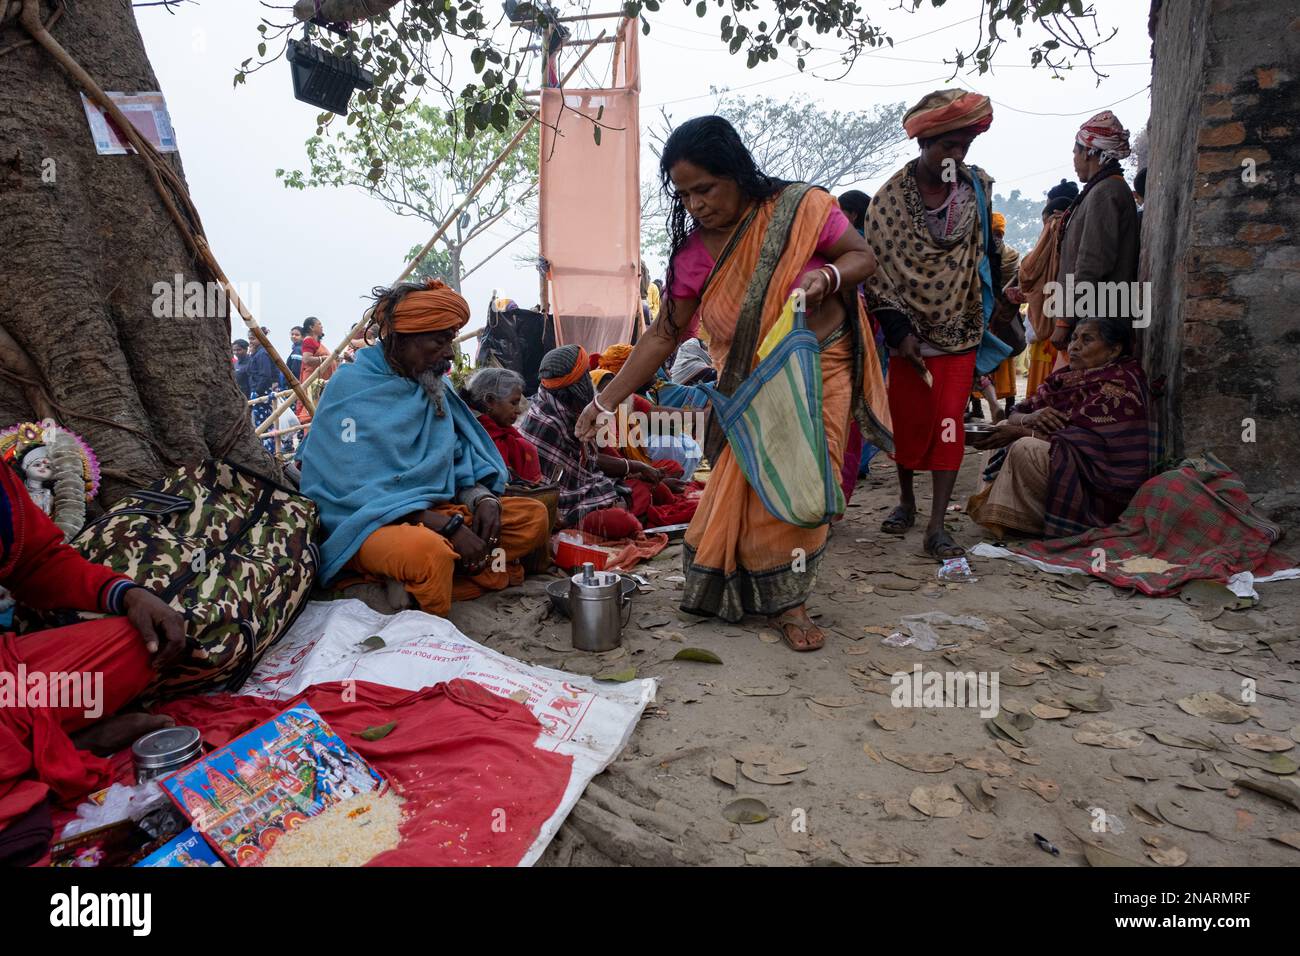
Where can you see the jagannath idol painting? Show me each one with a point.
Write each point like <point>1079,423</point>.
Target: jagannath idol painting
<point>58,468</point>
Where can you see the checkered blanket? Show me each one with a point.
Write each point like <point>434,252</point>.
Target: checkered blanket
<point>1196,518</point>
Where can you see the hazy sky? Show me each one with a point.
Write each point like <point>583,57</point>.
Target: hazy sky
<point>319,252</point>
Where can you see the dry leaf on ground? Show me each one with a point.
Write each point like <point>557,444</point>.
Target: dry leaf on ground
<point>1102,733</point>
<point>1016,753</point>
<point>759,775</point>
<point>1267,743</point>
<point>1049,790</point>
<point>992,766</point>
<point>940,801</point>
<point>1048,712</point>
<point>724,771</point>
<point>894,720</point>
<point>921,763</point>
<point>1215,707</point>
<point>1163,852</point>
<point>746,810</point>
<point>869,848</point>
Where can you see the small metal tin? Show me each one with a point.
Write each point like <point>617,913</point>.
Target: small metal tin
<point>159,752</point>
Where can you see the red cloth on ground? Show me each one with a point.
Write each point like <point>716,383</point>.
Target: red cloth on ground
<point>611,523</point>
<point>460,757</point>
<point>929,431</point>
<point>519,454</point>
<point>37,758</point>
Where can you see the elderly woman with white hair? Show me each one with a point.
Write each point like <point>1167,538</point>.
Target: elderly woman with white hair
<point>497,394</point>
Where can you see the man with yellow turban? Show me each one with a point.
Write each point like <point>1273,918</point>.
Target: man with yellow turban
<point>407,481</point>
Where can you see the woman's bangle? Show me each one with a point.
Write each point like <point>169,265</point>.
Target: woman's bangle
<point>595,400</point>
<point>838,280</point>
<point>627,467</point>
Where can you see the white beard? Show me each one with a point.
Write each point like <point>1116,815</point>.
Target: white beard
<point>434,382</point>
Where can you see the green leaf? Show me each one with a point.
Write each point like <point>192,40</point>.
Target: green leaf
<point>746,810</point>
<point>701,8</point>
<point>622,677</point>
<point>697,654</point>
<point>378,733</point>
<point>596,133</point>
<point>261,49</point>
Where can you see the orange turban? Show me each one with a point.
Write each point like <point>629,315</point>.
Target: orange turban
<point>599,375</point>
<point>612,359</point>
<point>946,110</point>
<point>999,223</point>
<point>432,309</point>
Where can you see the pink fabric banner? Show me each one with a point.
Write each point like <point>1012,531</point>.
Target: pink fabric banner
<point>590,204</point>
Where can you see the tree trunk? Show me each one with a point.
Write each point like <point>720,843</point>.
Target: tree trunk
<point>81,256</point>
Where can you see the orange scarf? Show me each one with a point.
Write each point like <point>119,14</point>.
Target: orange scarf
<point>1039,267</point>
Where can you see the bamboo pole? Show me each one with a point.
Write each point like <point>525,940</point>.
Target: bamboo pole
<point>410,266</point>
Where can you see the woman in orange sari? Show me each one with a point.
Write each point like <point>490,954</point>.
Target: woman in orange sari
<point>728,266</point>
<point>1038,268</point>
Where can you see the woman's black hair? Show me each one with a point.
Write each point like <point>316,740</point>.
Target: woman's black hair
<point>1066,188</point>
<point>713,144</point>
<point>855,203</point>
<point>1115,330</point>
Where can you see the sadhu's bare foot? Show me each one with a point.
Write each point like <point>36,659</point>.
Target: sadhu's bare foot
<point>111,734</point>
<point>798,630</point>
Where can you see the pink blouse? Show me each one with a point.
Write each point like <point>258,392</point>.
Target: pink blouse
<point>693,263</point>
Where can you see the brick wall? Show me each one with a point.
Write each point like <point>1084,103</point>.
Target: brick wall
<point>1220,237</point>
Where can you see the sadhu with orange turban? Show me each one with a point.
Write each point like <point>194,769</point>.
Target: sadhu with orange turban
<point>407,482</point>
<point>925,227</point>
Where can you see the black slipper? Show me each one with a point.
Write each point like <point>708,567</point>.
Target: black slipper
<point>942,541</point>
<point>899,520</point>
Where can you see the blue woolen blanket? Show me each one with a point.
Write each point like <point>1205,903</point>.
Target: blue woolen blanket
<point>377,451</point>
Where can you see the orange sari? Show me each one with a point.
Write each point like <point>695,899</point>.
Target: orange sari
<point>738,558</point>
<point>1038,268</point>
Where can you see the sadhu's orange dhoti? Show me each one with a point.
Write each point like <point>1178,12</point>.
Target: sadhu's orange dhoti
<point>425,562</point>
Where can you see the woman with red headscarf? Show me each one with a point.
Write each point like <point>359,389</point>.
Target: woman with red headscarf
<point>1099,237</point>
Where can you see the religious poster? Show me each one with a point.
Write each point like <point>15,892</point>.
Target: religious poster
<point>147,113</point>
<point>248,794</point>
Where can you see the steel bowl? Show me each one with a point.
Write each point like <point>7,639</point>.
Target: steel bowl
<point>558,592</point>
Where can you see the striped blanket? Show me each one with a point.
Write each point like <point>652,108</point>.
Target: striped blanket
<point>1196,519</point>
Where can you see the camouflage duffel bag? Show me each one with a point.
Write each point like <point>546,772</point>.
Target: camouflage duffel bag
<point>229,549</point>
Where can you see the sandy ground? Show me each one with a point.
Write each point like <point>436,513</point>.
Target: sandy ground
<point>834,778</point>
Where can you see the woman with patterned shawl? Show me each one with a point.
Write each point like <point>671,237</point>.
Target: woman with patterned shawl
<point>925,229</point>
<point>1079,448</point>
<point>741,243</point>
<point>603,492</point>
